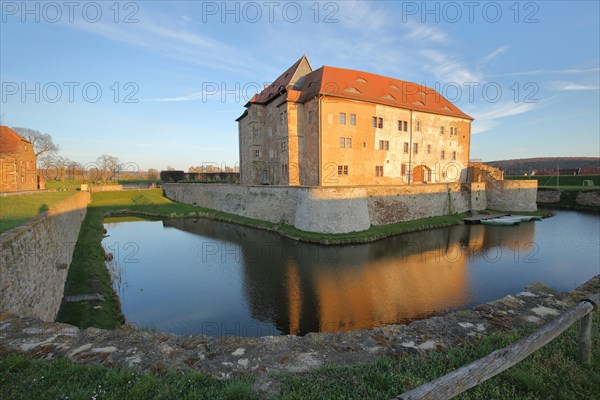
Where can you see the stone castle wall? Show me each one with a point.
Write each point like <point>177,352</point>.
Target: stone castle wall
<point>512,195</point>
<point>349,209</point>
<point>35,258</point>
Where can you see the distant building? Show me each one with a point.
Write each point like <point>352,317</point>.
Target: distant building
<point>340,127</point>
<point>17,162</point>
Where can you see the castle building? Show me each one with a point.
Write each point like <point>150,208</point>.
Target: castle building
<point>341,127</point>
<point>18,170</point>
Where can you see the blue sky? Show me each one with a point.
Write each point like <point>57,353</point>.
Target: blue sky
<point>174,76</point>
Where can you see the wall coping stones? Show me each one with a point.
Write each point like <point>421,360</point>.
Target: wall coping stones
<point>225,357</point>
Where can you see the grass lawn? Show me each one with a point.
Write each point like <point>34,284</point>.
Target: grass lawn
<point>15,210</point>
<point>551,373</point>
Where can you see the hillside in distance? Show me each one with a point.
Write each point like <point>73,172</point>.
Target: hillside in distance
<point>523,165</point>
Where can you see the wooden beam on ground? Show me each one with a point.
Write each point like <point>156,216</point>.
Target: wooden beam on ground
<point>456,382</point>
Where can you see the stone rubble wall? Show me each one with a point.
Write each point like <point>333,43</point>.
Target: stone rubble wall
<point>230,356</point>
<point>106,188</point>
<point>548,196</point>
<point>332,210</point>
<point>35,258</point>
<point>588,198</point>
<point>349,209</point>
<point>392,204</point>
<point>267,203</point>
<point>517,195</point>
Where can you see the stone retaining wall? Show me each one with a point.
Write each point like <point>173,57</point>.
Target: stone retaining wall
<point>588,198</point>
<point>105,188</point>
<point>548,196</point>
<point>35,257</point>
<point>348,209</point>
<point>517,195</point>
<point>231,356</point>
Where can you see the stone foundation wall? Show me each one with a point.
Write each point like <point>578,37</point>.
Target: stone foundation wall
<point>517,195</point>
<point>548,196</point>
<point>106,188</point>
<point>268,203</point>
<point>349,209</point>
<point>391,204</point>
<point>35,257</point>
<point>588,198</point>
<point>332,210</point>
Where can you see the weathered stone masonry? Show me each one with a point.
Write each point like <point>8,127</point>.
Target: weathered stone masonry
<point>349,209</point>
<point>35,257</point>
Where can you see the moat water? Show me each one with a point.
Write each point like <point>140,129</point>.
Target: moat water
<point>216,278</point>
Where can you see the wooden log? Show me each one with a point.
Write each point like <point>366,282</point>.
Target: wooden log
<point>471,375</point>
<point>585,340</point>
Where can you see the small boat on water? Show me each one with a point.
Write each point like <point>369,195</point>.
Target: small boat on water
<point>502,221</point>
<point>509,220</point>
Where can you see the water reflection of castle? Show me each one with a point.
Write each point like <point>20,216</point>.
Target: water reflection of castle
<point>304,288</point>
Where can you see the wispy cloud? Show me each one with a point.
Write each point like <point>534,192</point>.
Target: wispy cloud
<point>488,119</point>
<point>159,33</point>
<point>570,86</point>
<point>449,69</point>
<point>552,71</point>
<point>424,32</point>
<point>362,16</point>
<point>190,97</point>
<point>494,54</point>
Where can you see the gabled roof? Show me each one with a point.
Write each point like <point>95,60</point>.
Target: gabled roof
<point>365,86</point>
<point>289,77</point>
<point>10,140</point>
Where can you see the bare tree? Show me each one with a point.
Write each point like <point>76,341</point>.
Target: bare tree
<point>42,142</point>
<point>152,173</point>
<point>108,166</point>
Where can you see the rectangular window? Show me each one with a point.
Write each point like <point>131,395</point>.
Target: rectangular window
<point>310,117</point>
<point>379,170</point>
<point>348,143</point>
<point>418,127</point>
<point>374,122</point>
<point>345,170</point>
<point>257,153</point>
<point>454,155</point>
<point>442,154</point>
<point>342,142</point>
<point>406,147</point>
<point>399,125</point>
<point>340,169</point>
<point>283,146</point>
<point>405,126</point>
<point>415,148</point>
<point>384,145</point>
<point>428,149</point>
<point>441,130</point>
<point>403,170</point>
<point>380,125</point>
<point>342,118</point>
<point>352,119</point>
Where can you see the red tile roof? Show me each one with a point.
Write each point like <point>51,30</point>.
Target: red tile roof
<point>10,140</point>
<point>365,86</point>
<point>278,86</point>
<point>359,85</point>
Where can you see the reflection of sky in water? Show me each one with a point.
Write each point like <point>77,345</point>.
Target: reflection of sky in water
<point>217,278</point>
